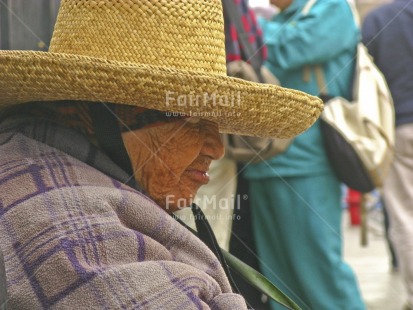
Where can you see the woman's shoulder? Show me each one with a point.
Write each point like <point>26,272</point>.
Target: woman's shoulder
<point>76,229</point>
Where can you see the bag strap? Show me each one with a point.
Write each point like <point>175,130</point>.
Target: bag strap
<point>254,57</point>
<point>322,86</point>
<point>307,7</point>
<point>355,13</point>
<point>321,80</point>
<point>319,76</point>
<point>318,70</point>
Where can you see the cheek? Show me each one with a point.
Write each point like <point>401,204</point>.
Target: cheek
<point>163,175</point>
<point>169,186</point>
<point>181,151</point>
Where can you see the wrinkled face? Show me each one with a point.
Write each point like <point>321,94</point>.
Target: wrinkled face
<point>171,160</point>
<point>281,4</point>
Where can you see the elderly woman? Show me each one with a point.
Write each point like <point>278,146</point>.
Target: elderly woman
<point>92,162</point>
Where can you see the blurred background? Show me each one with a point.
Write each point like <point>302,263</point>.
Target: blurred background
<point>28,25</point>
<point>364,6</point>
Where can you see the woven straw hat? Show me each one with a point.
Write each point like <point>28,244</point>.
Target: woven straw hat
<point>158,54</point>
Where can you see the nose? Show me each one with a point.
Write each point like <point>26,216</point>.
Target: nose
<point>213,146</point>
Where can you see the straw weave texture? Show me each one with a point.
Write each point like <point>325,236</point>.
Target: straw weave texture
<point>142,52</point>
<point>163,32</point>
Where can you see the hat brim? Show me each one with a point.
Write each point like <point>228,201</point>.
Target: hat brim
<point>238,106</point>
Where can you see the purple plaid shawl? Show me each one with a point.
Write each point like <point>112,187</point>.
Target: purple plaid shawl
<point>76,238</point>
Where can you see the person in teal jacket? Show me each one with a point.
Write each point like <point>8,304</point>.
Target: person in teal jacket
<point>295,196</point>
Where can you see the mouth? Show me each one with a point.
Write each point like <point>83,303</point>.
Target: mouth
<point>199,176</point>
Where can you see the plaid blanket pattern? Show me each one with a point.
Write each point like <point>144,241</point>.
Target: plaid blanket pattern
<point>74,237</point>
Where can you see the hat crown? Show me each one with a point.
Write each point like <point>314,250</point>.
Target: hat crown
<point>180,34</point>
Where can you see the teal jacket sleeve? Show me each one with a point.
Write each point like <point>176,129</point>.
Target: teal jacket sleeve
<point>296,40</point>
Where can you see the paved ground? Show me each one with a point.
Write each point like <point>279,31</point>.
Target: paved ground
<point>381,288</point>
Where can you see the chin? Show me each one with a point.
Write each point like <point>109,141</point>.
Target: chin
<point>171,204</point>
